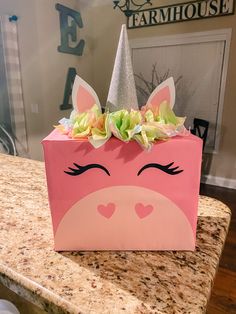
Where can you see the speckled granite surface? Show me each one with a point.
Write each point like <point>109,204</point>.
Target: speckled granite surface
<point>98,282</point>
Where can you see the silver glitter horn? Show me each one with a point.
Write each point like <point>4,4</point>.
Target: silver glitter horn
<point>122,92</point>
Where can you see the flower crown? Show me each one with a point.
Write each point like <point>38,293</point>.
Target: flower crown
<point>155,121</point>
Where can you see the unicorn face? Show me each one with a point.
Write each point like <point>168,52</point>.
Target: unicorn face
<point>119,196</point>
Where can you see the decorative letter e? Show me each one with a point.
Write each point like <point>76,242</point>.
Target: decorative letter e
<point>70,31</point>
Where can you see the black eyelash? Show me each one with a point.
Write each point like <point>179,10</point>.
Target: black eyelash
<point>166,168</point>
<point>81,169</point>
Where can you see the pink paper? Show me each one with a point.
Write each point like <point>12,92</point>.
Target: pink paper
<point>115,207</point>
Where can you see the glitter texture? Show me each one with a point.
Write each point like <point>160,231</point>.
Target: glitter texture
<point>122,91</point>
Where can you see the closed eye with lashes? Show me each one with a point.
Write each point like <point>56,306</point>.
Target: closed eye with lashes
<point>81,169</point>
<point>166,168</point>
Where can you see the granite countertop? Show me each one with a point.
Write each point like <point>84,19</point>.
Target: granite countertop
<point>98,282</point>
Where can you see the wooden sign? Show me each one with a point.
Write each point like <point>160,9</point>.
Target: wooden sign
<point>181,12</point>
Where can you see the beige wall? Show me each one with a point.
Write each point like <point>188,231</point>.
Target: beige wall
<point>106,27</point>
<point>44,69</point>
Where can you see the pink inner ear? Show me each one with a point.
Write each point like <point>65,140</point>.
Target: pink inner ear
<point>84,99</point>
<point>160,96</point>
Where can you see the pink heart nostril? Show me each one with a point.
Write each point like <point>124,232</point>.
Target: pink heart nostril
<point>143,211</point>
<point>106,210</point>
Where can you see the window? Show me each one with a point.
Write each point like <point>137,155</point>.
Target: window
<point>198,63</point>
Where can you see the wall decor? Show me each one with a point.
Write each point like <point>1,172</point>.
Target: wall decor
<point>69,30</point>
<point>68,89</point>
<point>181,12</point>
<point>128,7</point>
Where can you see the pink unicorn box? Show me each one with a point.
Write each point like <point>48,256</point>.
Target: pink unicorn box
<point>126,178</point>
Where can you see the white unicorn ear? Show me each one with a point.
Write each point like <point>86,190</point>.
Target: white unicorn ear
<point>83,96</point>
<point>163,92</point>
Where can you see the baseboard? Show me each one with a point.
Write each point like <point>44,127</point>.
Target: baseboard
<point>219,181</point>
